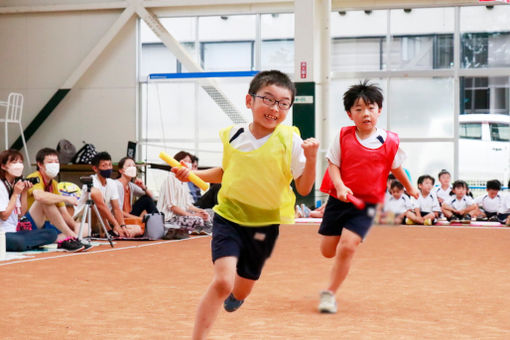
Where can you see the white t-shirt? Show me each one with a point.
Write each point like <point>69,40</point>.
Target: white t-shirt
<point>398,206</point>
<point>374,141</point>
<point>459,204</point>
<point>109,192</point>
<point>173,193</point>
<point>443,194</point>
<point>505,203</point>
<point>247,142</point>
<point>9,225</point>
<point>488,204</point>
<point>427,204</point>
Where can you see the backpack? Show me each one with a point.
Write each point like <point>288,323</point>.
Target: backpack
<point>66,151</point>
<point>85,154</point>
<point>154,226</point>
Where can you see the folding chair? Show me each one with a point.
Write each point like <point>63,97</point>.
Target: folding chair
<point>13,111</point>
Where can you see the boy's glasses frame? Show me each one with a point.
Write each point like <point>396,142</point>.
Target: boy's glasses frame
<point>271,101</point>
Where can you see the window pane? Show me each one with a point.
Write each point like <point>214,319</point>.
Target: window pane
<point>470,131</point>
<point>277,47</point>
<point>421,43</point>
<point>227,56</point>
<point>427,158</point>
<point>421,107</point>
<point>484,36</point>
<point>356,47</point>
<point>500,132</point>
<point>487,95</point>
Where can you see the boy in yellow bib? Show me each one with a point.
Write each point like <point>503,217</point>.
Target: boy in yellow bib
<point>260,160</point>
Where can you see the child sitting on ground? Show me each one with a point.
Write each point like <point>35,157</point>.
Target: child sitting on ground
<point>444,190</point>
<point>487,205</point>
<point>504,209</point>
<point>460,206</point>
<point>397,206</point>
<point>426,207</point>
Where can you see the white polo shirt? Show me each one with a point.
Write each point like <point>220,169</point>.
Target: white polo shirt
<point>427,203</point>
<point>397,205</point>
<point>459,204</point>
<point>488,204</point>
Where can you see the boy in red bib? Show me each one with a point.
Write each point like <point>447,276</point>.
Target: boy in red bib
<point>360,159</point>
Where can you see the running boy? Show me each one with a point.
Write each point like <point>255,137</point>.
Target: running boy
<point>426,207</point>
<point>459,207</point>
<point>360,159</point>
<point>260,160</point>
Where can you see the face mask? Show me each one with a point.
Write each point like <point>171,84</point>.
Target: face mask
<point>16,169</point>
<point>106,173</point>
<point>52,169</point>
<point>130,171</point>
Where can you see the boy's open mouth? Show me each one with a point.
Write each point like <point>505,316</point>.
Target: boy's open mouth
<point>270,117</point>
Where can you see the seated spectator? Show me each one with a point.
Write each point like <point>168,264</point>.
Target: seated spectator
<point>193,189</point>
<point>426,208</point>
<point>47,206</point>
<point>489,204</point>
<point>397,206</point>
<point>444,191</point>
<point>460,206</point>
<point>13,204</point>
<point>135,199</point>
<point>176,203</point>
<point>105,196</point>
<point>303,211</point>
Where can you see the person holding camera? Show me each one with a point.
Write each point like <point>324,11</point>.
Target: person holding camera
<point>13,204</point>
<point>105,196</point>
<point>47,206</point>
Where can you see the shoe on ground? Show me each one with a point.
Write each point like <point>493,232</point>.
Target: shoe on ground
<point>327,302</point>
<point>493,219</point>
<point>86,244</point>
<point>427,221</point>
<point>231,304</point>
<point>466,219</point>
<point>70,245</point>
<point>306,211</point>
<point>409,221</point>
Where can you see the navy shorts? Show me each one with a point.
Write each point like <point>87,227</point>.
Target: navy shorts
<point>46,225</point>
<point>251,245</point>
<point>339,215</point>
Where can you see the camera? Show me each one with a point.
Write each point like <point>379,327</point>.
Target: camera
<point>33,180</point>
<point>86,180</point>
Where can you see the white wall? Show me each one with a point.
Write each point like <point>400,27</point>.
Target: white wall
<point>40,51</point>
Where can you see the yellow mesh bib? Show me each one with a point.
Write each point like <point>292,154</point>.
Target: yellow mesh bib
<point>255,189</point>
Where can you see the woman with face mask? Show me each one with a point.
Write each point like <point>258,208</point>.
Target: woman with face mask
<point>13,205</point>
<point>176,202</point>
<point>135,200</point>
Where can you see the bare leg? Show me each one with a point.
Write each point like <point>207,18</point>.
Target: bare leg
<point>242,287</point>
<point>41,212</point>
<point>347,246</point>
<point>217,292</point>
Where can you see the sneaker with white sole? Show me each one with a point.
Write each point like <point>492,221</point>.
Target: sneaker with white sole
<point>327,302</point>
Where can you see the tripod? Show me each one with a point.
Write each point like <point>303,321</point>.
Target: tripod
<point>87,215</point>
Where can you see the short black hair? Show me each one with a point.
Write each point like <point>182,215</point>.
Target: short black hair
<point>460,184</point>
<point>493,184</point>
<point>370,93</point>
<point>41,155</point>
<point>272,77</point>
<point>123,161</point>
<point>424,177</point>
<point>7,156</point>
<point>396,184</point>
<point>391,177</point>
<point>443,172</point>
<point>101,156</point>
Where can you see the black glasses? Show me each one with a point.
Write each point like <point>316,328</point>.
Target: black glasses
<point>282,104</point>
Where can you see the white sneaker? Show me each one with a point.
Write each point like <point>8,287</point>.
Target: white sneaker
<point>327,302</point>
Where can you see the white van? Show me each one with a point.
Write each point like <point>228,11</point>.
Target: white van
<point>484,151</point>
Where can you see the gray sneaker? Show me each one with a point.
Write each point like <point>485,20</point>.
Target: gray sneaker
<point>327,302</point>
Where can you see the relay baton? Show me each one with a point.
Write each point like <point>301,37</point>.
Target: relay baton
<point>192,177</point>
<point>356,201</point>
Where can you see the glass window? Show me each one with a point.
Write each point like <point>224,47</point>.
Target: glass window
<point>485,95</point>
<point>277,46</point>
<point>227,56</point>
<point>470,130</point>
<point>355,46</point>
<point>421,107</point>
<point>485,38</point>
<point>427,158</point>
<point>500,132</point>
